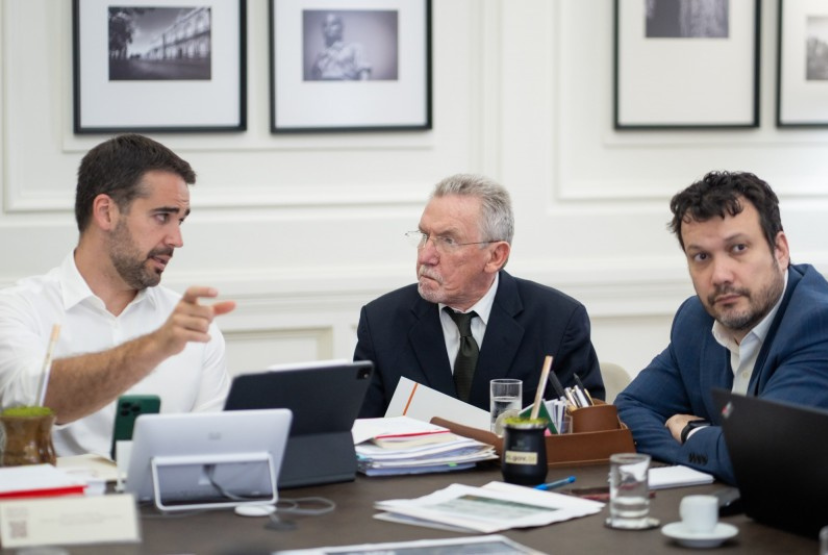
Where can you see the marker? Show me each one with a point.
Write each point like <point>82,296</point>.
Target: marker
<point>556,483</point>
<point>556,385</point>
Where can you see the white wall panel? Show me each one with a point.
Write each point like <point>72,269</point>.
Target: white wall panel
<point>302,230</point>
<point>258,349</point>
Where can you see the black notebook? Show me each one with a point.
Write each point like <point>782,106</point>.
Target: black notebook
<point>325,399</point>
<point>780,459</point>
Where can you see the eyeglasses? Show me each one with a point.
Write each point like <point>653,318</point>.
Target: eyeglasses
<point>443,243</point>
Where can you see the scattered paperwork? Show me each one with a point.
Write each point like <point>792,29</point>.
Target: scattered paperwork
<point>402,445</point>
<point>494,507</point>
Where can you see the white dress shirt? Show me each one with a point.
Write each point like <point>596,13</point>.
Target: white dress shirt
<point>194,380</point>
<point>483,308</point>
<point>743,355</point>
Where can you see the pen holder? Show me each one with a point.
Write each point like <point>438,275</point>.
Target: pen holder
<point>595,418</point>
<point>597,434</point>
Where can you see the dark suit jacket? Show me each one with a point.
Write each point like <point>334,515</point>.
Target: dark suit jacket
<point>401,334</point>
<point>792,366</point>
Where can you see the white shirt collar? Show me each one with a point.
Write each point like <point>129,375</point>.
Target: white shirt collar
<point>483,307</point>
<point>75,289</point>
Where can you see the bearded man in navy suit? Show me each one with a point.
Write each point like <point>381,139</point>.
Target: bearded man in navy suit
<point>758,325</point>
<point>463,242</point>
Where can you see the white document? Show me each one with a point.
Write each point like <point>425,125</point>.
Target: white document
<point>38,479</point>
<point>500,545</point>
<point>662,477</point>
<point>370,428</point>
<point>94,469</point>
<point>69,521</point>
<point>494,507</point>
<point>416,400</point>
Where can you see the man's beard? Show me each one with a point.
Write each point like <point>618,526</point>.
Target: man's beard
<point>430,295</point>
<point>130,264</point>
<point>759,304</point>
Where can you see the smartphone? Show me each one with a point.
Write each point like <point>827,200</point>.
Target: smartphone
<point>128,408</point>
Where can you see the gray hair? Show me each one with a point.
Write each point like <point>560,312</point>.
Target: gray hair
<point>498,221</point>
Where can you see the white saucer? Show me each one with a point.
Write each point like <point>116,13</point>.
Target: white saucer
<point>719,534</point>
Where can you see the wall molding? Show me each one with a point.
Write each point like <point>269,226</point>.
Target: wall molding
<point>641,287</point>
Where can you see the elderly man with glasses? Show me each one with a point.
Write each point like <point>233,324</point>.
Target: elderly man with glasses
<point>467,321</point>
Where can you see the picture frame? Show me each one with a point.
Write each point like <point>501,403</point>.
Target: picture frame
<point>350,65</point>
<point>691,65</point>
<point>802,64</point>
<point>160,66</point>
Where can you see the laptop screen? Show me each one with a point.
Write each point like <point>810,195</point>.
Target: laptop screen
<point>780,459</point>
<point>325,399</point>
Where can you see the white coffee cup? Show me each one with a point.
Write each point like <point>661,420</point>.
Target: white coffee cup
<point>699,513</point>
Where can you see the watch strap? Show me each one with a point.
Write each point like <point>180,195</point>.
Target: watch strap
<point>692,425</point>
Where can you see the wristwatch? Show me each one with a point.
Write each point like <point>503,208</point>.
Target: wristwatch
<point>692,425</point>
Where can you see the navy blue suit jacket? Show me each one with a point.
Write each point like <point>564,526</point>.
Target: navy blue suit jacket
<point>792,366</point>
<point>401,334</point>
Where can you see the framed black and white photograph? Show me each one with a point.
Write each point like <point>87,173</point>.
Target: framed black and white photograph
<point>350,65</point>
<point>802,72</point>
<point>686,64</point>
<point>159,66</point>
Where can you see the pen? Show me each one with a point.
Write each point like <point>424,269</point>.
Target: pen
<point>579,395</point>
<point>556,385</point>
<point>556,483</point>
<point>570,396</point>
<point>580,384</point>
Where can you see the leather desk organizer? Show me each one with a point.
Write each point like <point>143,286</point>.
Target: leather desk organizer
<point>597,434</point>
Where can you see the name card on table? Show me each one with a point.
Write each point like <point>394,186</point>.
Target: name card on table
<point>68,521</point>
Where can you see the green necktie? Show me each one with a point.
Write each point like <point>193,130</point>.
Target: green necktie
<point>466,360</point>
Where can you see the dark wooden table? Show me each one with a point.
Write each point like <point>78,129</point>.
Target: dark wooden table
<point>222,532</point>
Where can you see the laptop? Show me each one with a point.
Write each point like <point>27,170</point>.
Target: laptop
<point>325,399</point>
<point>780,460</point>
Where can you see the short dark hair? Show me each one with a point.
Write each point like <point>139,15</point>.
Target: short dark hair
<point>721,193</point>
<point>116,167</point>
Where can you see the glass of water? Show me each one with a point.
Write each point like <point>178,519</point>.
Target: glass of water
<point>505,400</point>
<point>630,492</point>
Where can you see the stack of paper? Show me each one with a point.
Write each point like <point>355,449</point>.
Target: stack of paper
<point>39,480</point>
<point>494,507</point>
<point>401,445</point>
<point>662,477</point>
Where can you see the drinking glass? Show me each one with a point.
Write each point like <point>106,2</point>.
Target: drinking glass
<point>630,491</point>
<point>506,396</point>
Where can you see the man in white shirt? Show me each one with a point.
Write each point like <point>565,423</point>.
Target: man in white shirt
<point>120,333</point>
